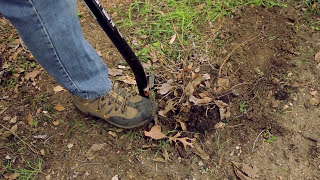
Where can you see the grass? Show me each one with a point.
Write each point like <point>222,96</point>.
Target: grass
<point>152,23</point>
<point>29,171</point>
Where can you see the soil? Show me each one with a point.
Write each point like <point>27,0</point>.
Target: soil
<point>274,126</point>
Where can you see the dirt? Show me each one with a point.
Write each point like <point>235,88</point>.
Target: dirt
<point>273,125</point>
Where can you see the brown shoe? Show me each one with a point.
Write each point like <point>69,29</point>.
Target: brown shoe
<point>118,108</point>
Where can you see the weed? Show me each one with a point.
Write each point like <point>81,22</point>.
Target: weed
<point>80,14</point>
<point>243,107</point>
<point>30,171</point>
<point>269,137</point>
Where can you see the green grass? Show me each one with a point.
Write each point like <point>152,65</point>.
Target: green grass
<point>154,20</point>
<point>29,171</point>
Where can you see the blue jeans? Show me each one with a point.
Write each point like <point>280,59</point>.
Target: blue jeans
<point>52,32</point>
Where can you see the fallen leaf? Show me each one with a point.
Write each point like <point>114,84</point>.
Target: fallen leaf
<point>313,93</point>
<point>94,148</point>
<point>32,75</point>
<point>200,152</point>
<point>115,177</point>
<point>122,67</point>
<point>115,72</point>
<point>159,159</point>
<point>206,76</point>
<point>29,119</point>
<point>13,120</point>
<point>155,133</point>
<point>12,131</point>
<point>275,103</point>
<point>314,101</point>
<point>58,89</point>
<point>55,123</point>
<point>220,125</point>
<point>245,172</point>
<point>223,109</point>
<point>166,87</point>
<point>184,140</point>
<point>11,176</point>
<point>190,88</point>
<point>197,101</point>
<point>128,80</point>
<point>43,152</point>
<point>59,107</point>
<point>70,145</point>
<point>224,83</point>
<point>168,108</point>
<point>173,38</point>
<point>183,125</point>
<point>113,134</point>
<point>317,57</point>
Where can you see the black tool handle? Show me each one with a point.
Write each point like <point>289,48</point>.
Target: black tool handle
<point>111,30</point>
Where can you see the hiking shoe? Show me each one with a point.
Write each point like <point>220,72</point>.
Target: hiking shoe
<point>118,108</point>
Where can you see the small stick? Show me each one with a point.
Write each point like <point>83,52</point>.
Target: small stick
<point>253,149</point>
<point>20,139</point>
<point>230,54</point>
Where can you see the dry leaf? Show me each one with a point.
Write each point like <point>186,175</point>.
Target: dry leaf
<point>200,152</point>
<point>113,134</point>
<point>58,89</point>
<point>59,107</point>
<point>245,172</point>
<point>94,148</point>
<point>128,80</point>
<point>185,140</point>
<point>69,146</point>
<point>314,101</point>
<point>224,83</point>
<point>168,108</point>
<point>183,125</point>
<point>159,159</point>
<point>190,88</point>
<point>155,133</point>
<point>56,123</point>
<point>173,38</point>
<point>13,120</point>
<point>12,131</point>
<point>317,57</point>
<point>220,125</point>
<point>32,75</point>
<point>223,109</point>
<point>29,119</point>
<point>206,76</point>
<point>166,87</point>
<point>197,101</point>
<point>11,176</point>
<point>115,72</point>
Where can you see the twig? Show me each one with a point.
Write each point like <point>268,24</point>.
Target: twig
<point>253,149</point>
<point>235,126</point>
<point>231,53</point>
<point>21,139</point>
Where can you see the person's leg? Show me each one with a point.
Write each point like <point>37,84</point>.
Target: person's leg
<point>52,32</point>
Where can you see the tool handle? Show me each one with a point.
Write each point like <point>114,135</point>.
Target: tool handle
<point>110,29</point>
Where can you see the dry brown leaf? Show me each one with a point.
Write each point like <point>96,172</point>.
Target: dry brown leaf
<point>317,57</point>
<point>155,133</point>
<point>197,101</point>
<point>200,152</point>
<point>168,108</point>
<point>166,87</point>
<point>183,125</point>
<point>224,83</point>
<point>59,107</point>
<point>13,120</point>
<point>56,123</point>
<point>32,75</point>
<point>115,72</point>
<point>58,89</point>
<point>94,148</point>
<point>12,131</point>
<point>128,80</point>
<point>220,125</point>
<point>245,172</point>
<point>173,38</point>
<point>29,119</point>
<point>190,88</point>
<point>11,176</point>
<point>184,140</point>
<point>159,159</point>
<point>223,109</point>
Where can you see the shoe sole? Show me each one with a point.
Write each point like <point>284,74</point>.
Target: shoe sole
<point>112,123</point>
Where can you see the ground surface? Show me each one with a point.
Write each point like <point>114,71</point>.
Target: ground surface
<point>263,92</point>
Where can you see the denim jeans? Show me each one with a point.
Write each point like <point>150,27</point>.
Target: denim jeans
<point>51,30</point>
